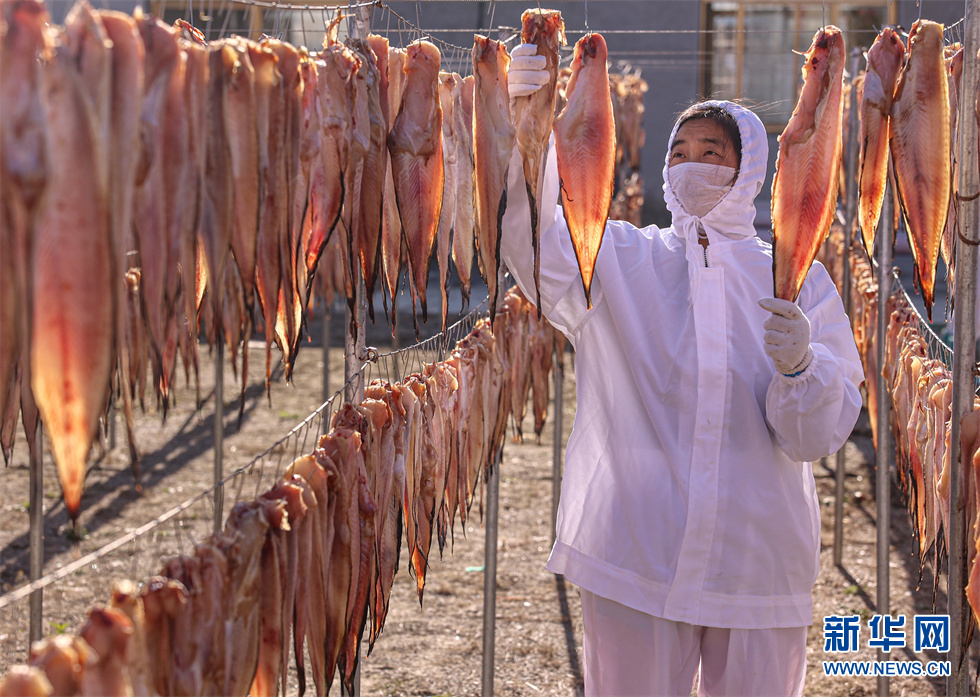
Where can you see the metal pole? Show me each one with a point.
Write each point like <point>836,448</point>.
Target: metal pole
<point>490,575</point>
<point>326,352</point>
<point>556,459</point>
<point>882,455</point>
<point>850,210</point>
<point>37,531</point>
<point>964,355</point>
<point>112,423</point>
<point>219,431</point>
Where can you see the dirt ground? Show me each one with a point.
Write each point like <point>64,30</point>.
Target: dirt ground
<point>434,649</point>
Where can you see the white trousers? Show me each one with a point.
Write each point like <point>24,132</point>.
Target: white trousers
<point>630,653</point>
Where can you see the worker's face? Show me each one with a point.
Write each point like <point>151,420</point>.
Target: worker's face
<point>705,141</point>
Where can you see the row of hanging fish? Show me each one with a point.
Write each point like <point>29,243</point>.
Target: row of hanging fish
<point>218,173</point>
<point>627,89</point>
<point>310,563</point>
<point>900,96</point>
<point>920,396</point>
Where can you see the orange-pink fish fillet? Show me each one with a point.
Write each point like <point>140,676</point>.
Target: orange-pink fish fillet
<point>922,164</point>
<point>72,333</point>
<point>585,140</point>
<point>415,146</point>
<point>534,114</point>
<point>493,144</point>
<point>391,229</point>
<point>954,76</point>
<point>885,60</point>
<point>804,188</point>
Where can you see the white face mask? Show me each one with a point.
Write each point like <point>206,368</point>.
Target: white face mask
<point>699,186</point>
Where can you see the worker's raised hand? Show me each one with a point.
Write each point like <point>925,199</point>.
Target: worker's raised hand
<point>527,72</point>
<point>787,338</point>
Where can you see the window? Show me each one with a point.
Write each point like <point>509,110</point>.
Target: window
<point>751,44</point>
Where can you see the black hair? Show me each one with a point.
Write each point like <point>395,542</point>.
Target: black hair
<point>720,116</point>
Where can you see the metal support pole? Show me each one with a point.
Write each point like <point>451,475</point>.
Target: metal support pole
<point>326,352</point>
<point>559,414</point>
<point>883,453</point>
<point>490,575</point>
<point>112,423</point>
<point>849,215</point>
<point>964,355</point>
<point>37,531</point>
<point>219,431</point>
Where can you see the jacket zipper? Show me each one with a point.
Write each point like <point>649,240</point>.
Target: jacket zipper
<point>705,250</point>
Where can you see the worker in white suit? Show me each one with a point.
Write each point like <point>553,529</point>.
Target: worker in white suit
<point>688,516</point>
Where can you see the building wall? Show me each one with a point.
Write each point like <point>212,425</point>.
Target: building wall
<point>59,8</point>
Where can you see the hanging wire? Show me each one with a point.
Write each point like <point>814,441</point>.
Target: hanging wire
<point>171,515</point>
<point>227,11</point>
<point>421,33</point>
<point>938,349</point>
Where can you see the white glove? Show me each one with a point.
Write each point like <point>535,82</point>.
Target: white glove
<point>787,336</point>
<point>528,71</point>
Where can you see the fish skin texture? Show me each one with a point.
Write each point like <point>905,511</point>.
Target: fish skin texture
<point>391,230</point>
<point>269,103</point>
<point>922,164</point>
<point>954,74</point>
<point>449,101</point>
<point>585,140</point>
<point>415,146</point>
<point>885,58</point>
<point>73,317</point>
<point>463,225</point>
<point>150,211</point>
<point>241,124</point>
<point>804,188</point>
<point>287,331</point>
<point>534,114</point>
<point>493,144</point>
<point>370,178</point>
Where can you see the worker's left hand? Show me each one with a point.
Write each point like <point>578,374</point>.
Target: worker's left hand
<point>527,72</point>
<point>787,338</point>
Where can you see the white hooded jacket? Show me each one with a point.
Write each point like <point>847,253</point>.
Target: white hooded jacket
<point>688,492</point>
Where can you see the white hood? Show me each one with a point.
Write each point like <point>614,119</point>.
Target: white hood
<point>734,216</point>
